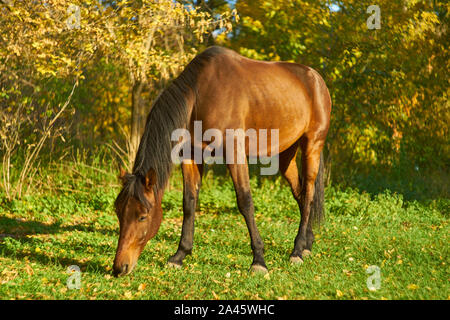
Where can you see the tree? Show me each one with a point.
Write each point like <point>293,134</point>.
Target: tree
<point>37,46</point>
<point>384,82</point>
<point>48,48</point>
<point>154,40</point>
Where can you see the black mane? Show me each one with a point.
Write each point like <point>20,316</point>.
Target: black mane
<point>169,112</point>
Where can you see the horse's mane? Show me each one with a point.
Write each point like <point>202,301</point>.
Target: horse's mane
<point>169,112</point>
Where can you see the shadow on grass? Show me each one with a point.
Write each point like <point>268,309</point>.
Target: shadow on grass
<point>17,228</point>
<point>413,184</point>
<point>20,229</point>
<point>42,258</point>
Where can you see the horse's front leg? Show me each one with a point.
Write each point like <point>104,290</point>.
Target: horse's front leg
<point>239,174</point>
<point>192,177</point>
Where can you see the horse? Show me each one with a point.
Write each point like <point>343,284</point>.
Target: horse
<point>225,90</point>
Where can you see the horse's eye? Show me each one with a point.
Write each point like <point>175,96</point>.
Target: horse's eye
<point>142,218</point>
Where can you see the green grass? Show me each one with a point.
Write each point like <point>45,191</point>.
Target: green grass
<point>43,234</point>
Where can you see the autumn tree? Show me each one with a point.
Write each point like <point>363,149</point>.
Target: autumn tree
<point>389,86</point>
<point>155,40</point>
<point>47,48</point>
<point>38,47</point>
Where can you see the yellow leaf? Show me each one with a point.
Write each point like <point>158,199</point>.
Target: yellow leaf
<point>29,270</point>
<point>339,293</point>
<point>412,286</point>
<point>142,286</point>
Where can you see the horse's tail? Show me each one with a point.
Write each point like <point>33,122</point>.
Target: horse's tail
<point>317,212</point>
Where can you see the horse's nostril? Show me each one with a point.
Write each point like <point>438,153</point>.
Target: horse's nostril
<point>119,271</point>
<point>116,272</point>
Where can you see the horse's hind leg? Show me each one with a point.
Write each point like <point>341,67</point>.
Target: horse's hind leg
<point>192,177</point>
<point>240,176</point>
<point>311,150</point>
<point>289,170</point>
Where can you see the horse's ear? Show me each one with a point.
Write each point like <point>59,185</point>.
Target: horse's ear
<point>150,179</point>
<point>122,174</point>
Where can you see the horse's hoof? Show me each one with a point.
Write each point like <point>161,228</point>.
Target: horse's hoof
<point>259,269</point>
<point>306,253</point>
<point>296,260</point>
<point>173,265</point>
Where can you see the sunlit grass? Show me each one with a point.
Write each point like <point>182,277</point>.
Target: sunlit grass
<point>42,235</point>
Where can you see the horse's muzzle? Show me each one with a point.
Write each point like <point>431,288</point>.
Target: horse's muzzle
<point>121,270</point>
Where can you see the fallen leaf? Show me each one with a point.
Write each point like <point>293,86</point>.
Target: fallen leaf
<point>142,286</point>
<point>412,286</point>
<point>29,270</point>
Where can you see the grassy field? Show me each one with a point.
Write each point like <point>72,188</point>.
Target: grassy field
<point>42,235</point>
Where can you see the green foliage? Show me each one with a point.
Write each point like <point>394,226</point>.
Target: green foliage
<point>389,87</point>
<point>388,146</point>
<point>43,234</point>
<point>103,49</point>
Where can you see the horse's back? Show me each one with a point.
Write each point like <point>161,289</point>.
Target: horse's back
<point>238,92</point>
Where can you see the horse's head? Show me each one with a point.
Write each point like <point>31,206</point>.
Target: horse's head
<point>139,211</point>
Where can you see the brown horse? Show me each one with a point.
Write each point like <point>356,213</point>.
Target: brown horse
<point>225,90</point>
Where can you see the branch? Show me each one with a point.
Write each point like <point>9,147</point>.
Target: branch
<point>30,158</point>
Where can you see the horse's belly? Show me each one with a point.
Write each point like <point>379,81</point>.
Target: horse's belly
<point>270,102</point>
<point>286,115</point>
